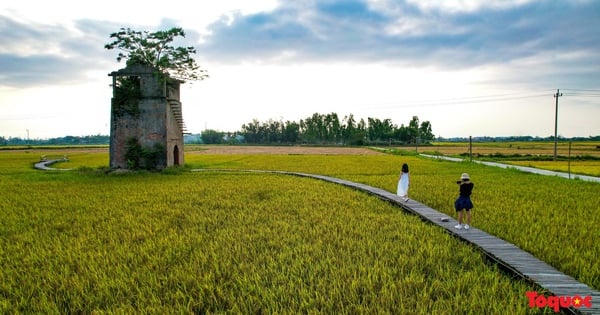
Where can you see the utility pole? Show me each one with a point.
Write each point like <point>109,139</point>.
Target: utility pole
<point>569,159</point>
<point>556,96</point>
<point>417,141</point>
<point>470,148</point>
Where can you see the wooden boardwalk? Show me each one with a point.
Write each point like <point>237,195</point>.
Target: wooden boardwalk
<point>507,255</point>
<point>44,164</point>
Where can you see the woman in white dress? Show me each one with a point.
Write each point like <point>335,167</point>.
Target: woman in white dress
<point>403,183</point>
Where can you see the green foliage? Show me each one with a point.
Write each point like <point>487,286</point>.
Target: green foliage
<point>59,142</point>
<point>380,130</point>
<point>394,151</point>
<point>127,96</point>
<point>154,49</point>
<point>133,153</point>
<point>139,157</point>
<point>272,131</point>
<point>210,136</point>
<point>175,170</point>
<point>328,129</point>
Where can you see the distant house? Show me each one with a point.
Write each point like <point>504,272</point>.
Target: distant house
<point>147,128</point>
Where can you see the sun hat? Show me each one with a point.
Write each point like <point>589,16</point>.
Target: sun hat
<point>464,176</point>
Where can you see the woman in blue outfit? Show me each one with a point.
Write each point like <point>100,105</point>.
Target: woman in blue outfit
<point>463,203</point>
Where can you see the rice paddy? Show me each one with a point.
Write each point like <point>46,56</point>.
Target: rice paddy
<point>186,242</point>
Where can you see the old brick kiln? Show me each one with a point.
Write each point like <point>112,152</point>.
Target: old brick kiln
<point>147,125</point>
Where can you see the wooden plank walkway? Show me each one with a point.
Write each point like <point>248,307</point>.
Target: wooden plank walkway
<point>44,164</point>
<point>507,255</point>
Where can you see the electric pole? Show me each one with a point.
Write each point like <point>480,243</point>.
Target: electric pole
<point>556,96</point>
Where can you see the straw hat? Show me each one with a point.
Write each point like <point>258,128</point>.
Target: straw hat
<point>464,176</point>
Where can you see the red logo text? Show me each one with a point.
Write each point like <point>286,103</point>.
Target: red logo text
<point>557,302</point>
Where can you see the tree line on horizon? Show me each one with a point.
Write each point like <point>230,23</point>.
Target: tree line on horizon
<point>66,140</point>
<point>325,129</point>
<point>317,129</point>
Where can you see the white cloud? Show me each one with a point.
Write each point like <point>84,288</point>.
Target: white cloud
<point>455,6</point>
<point>444,61</point>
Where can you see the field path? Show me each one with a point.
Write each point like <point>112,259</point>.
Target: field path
<point>44,165</point>
<point>507,255</point>
<point>521,168</point>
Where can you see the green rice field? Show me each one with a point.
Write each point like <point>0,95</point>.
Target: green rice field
<point>88,241</point>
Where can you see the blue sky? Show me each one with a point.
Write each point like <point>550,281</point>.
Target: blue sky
<point>471,68</point>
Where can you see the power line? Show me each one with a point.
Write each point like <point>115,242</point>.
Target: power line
<point>582,93</point>
<point>580,90</point>
<point>482,99</point>
<point>464,100</point>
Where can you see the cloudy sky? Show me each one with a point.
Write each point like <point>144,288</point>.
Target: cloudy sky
<point>471,68</point>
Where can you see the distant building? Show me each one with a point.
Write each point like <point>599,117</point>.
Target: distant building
<point>147,128</point>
